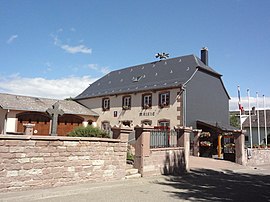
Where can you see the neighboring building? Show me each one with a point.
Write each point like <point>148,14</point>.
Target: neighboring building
<point>254,125</point>
<point>177,91</point>
<point>15,110</point>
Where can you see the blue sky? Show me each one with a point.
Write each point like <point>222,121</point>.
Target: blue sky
<point>56,48</point>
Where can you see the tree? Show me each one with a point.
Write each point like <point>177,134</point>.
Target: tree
<point>235,121</point>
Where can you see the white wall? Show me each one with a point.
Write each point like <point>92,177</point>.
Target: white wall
<point>12,121</point>
<point>255,135</point>
<point>136,114</point>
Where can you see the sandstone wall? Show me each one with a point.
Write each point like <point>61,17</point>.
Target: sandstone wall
<point>38,162</point>
<point>164,161</point>
<point>259,157</point>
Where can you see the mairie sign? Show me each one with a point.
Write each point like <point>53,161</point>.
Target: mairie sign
<point>147,114</point>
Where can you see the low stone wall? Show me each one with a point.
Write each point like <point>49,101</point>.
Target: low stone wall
<point>164,161</point>
<point>29,162</point>
<point>259,157</point>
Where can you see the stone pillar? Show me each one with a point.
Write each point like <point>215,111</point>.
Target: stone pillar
<point>28,128</point>
<point>196,142</point>
<point>121,132</point>
<point>183,140</point>
<point>240,148</point>
<point>142,146</point>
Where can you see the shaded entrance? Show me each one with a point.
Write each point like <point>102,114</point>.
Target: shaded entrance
<point>217,140</point>
<point>41,121</point>
<point>66,123</point>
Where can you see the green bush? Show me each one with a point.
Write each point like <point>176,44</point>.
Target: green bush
<point>88,131</point>
<point>130,156</point>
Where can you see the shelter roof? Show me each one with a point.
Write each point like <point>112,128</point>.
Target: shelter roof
<point>220,127</point>
<point>254,120</point>
<point>27,103</point>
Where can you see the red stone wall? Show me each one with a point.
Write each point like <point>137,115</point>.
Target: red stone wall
<point>38,161</point>
<point>164,161</point>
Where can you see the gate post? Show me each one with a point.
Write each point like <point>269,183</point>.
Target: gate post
<point>142,146</point>
<point>196,142</point>
<point>121,132</point>
<point>240,148</point>
<point>183,140</point>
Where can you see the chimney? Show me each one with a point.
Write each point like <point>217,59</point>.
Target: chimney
<point>204,55</point>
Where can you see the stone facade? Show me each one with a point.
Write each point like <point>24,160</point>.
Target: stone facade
<point>136,115</point>
<point>259,157</point>
<point>30,162</point>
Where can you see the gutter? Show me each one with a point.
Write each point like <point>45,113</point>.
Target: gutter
<point>184,88</point>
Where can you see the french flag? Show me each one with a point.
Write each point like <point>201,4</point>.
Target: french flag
<point>241,108</point>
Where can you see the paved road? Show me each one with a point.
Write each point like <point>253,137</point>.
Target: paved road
<point>207,182</point>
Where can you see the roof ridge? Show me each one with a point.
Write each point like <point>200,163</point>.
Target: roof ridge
<point>26,96</point>
<point>148,63</point>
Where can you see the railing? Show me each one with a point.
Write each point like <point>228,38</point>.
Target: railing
<point>161,138</point>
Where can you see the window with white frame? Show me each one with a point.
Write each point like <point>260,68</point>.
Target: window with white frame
<point>105,104</point>
<point>126,102</point>
<point>164,123</point>
<point>147,101</point>
<point>164,99</point>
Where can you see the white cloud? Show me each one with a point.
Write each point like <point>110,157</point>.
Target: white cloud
<point>40,87</point>
<point>76,49</point>
<point>68,48</point>
<point>11,39</point>
<point>103,70</point>
<point>93,66</point>
<point>253,103</point>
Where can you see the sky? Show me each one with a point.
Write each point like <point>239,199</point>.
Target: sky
<point>56,48</point>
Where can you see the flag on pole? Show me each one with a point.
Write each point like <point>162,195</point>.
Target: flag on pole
<point>241,108</point>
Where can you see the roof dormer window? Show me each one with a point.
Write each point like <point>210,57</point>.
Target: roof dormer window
<point>136,79</point>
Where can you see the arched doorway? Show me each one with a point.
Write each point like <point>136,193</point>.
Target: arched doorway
<point>67,123</point>
<point>41,121</point>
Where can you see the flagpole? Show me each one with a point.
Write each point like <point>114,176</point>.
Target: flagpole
<point>249,112</point>
<point>265,124</point>
<point>239,106</point>
<point>258,118</point>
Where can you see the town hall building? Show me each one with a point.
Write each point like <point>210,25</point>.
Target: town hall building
<point>181,91</point>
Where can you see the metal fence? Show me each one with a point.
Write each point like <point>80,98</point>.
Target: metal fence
<point>161,138</point>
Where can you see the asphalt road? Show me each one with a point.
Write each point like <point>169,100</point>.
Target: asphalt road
<point>201,184</point>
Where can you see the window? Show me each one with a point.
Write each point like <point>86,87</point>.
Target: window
<point>126,123</point>
<point>105,104</point>
<point>164,123</point>
<point>147,101</point>
<point>126,102</point>
<point>105,125</point>
<point>147,122</point>
<point>164,99</point>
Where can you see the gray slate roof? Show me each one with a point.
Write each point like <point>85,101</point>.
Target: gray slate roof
<point>254,122</point>
<point>218,125</point>
<point>156,75</point>
<point>26,103</point>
